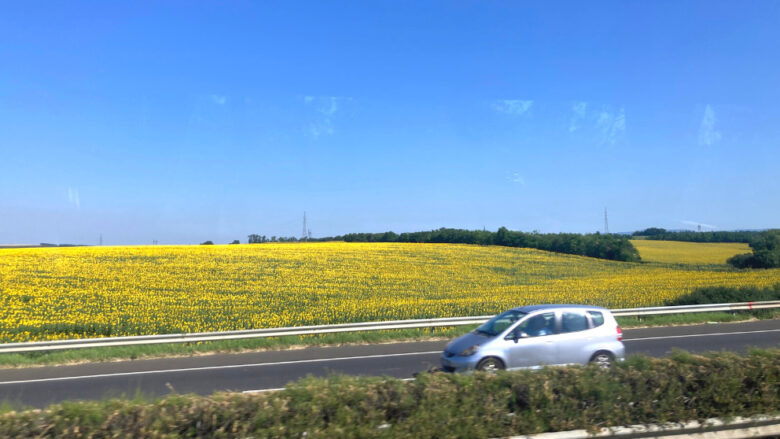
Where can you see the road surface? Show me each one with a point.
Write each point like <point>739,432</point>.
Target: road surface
<point>40,386</point>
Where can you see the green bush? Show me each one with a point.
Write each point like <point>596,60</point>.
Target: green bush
<point>727,295</point>
<point>766,252</point>
<point>639,391</point>
<point>757,259</point>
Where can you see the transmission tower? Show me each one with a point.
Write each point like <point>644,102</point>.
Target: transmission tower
<point>606,223</point>
<point>305,235</point>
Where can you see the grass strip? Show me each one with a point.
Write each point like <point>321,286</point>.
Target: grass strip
<point>200,348</point>
<point>697,318</point>
<point>642,390</point>
<point>292,342</point>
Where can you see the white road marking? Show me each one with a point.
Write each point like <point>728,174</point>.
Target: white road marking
<point>227,366</point>
<point>700,335</point>
<point>282,388</point>
<point>321,360</point>
<point>264,390</point>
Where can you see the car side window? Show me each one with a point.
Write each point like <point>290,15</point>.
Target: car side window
<point>543,324</point>
<point>597,318</point>
<point>573,322</point>
<point>501,324</point>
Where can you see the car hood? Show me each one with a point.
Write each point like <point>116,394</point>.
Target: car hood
<point>466,341</point>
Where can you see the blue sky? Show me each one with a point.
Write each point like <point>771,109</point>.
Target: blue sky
<point>182,122</point>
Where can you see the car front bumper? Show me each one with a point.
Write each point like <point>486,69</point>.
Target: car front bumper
<point>457,363</point>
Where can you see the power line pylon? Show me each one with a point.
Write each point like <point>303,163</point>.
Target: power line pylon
<point>305,235</point>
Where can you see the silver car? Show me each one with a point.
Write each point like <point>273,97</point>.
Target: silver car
<point>535,336</point>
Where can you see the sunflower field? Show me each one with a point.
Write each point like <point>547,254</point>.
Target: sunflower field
<point>679,252</point>
<point>55,293</point>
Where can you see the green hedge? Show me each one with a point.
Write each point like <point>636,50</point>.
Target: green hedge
<point>727,295</point>
<point>642,390</point>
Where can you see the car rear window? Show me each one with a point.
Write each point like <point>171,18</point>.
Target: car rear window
<point>597,318</point>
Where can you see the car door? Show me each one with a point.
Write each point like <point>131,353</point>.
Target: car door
<point>532,343</point>
<point>574,338</point>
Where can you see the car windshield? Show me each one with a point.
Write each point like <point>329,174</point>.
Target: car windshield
<point>499,323</point>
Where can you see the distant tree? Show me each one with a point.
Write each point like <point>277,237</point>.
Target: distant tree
<point>207,243</point>
<point>652,231</point>
<point>236,241</point>
<point>389,237</point>
<point>769,241</point>
<point>502,236</point>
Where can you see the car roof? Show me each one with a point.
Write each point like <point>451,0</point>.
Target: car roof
<point>532,308</point>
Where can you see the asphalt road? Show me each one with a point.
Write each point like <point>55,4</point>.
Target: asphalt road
<point>40,386</point>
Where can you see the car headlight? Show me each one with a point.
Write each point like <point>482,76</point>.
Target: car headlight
<point>469,351</point>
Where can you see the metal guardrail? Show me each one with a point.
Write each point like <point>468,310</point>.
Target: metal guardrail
<point>344,327</point>
<point>683,309</point>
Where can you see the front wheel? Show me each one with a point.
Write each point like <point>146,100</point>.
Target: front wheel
<point>603,359</point>
<point>490,365</point>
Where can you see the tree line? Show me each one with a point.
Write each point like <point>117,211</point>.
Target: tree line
<point>595,245</point>
<point>260,239</point>
<point>656,233</point>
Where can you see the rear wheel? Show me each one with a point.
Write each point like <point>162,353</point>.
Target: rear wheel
<point>603,359</point>
<point>490,365</point>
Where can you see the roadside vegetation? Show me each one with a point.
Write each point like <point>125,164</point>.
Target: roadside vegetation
<point>640,391</point>
<point>697,318</point>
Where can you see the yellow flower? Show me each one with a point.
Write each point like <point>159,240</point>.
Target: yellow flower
<point>53,293</point>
